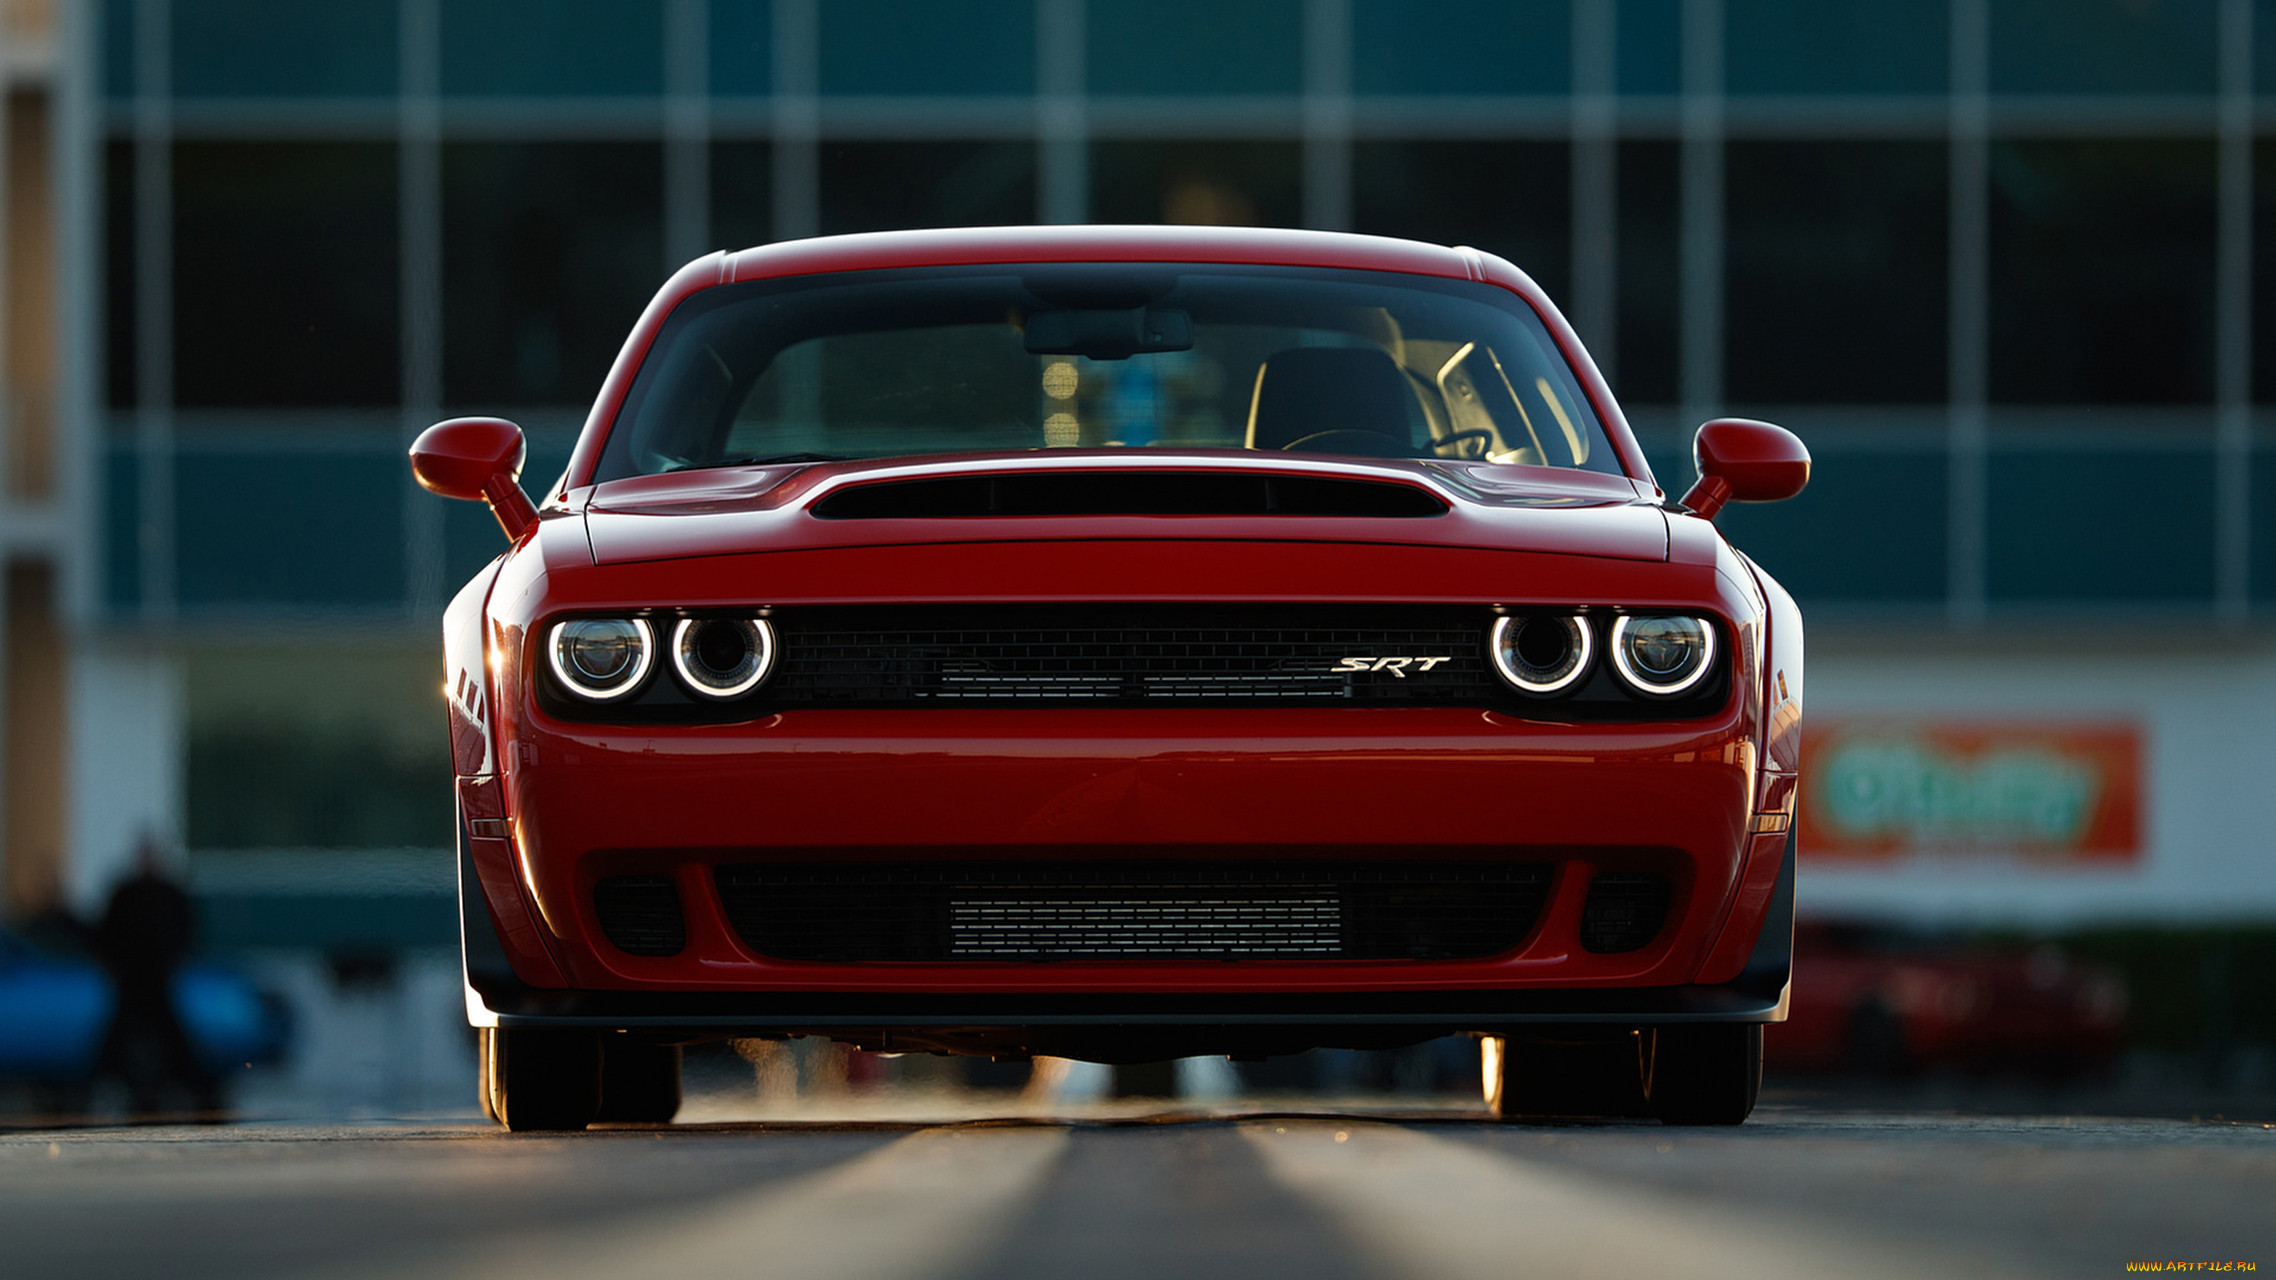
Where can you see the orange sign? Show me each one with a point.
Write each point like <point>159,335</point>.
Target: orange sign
<point>2062,792</point>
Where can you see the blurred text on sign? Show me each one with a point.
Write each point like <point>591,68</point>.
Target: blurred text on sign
<point>2061,792</point>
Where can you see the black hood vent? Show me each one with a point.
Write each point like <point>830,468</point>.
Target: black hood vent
<point>1128,493</point>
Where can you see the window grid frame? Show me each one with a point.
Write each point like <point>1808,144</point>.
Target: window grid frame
<point>1062,119</point>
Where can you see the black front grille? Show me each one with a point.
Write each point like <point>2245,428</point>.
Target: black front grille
<point>1071,911</point>
<point>1624,911</point>
<point>641,914</point>
<point>1156,656</point>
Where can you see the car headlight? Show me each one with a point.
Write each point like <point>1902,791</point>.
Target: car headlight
<point>722,657</point>
<point>1542,653</point>
<point>602,659</point>
<point>1662,655</point>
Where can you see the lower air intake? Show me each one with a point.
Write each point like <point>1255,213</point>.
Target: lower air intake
<point>641,915</point>
<point>1026,912</point>
<point>1624,911</point>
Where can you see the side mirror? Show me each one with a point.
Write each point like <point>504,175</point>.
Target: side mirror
<point>474,458</point>
<point>1741,460</point>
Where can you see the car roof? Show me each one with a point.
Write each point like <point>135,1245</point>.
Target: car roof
<point>956,246</point>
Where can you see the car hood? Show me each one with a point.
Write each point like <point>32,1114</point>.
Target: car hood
<point>736,510</point>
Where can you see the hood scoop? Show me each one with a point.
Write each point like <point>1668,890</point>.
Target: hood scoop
<point>1128,493</point>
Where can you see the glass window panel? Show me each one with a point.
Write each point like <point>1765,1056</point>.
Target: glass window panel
<point>118,273</point>
<point>285,48</point>
<point>887,186</point>
<point>742,194</point>
<point>1871,527</point>
<point>286,288</point>
<point>117,32</point>
<point>2155,542</point>
<point>1462,46</point>
<point>1195,46</point>
<point>742,48</point>
<point>921,47</point>
<point>552,47</point>
<point>327,922</point>
<point>2264,269</point>
<point>313,746</point>
<point>1649,269</point>
<point>1510,198</point>
<point>1857,46</point>
<point>2103,46</point>
<point>550,251</point>
<point>2264,48</point>
<point>2261,553</point>
<point>122,526</point>
<point>1256,184</point>
<point>1649,56</point>
<point>1835,273</point>
<point>260,530</point>
<point>2102,271</point>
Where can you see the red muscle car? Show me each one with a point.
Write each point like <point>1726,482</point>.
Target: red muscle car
<point>1120,643</point>
<point>1877,1000</point>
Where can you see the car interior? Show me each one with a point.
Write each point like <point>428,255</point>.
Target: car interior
<point>998,363</point>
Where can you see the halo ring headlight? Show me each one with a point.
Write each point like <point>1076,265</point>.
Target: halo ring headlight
<point>1544,653</point>
<point>1662,655</point>
<point>601,659</point>
<point>722,658</point>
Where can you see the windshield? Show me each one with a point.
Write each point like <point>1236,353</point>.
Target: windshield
<point>879,364</point>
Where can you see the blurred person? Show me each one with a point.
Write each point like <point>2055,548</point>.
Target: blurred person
<point>144,936</point>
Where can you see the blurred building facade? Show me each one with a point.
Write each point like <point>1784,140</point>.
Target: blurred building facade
<point>2000,262</point>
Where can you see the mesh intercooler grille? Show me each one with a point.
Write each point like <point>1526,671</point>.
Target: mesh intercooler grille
<point>1043,911</point>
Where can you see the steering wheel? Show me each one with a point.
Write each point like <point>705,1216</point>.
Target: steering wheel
<point>1453,437</point>
<point>1351,440</point>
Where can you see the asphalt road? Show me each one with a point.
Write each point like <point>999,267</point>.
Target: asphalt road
<point>1249,1193</point>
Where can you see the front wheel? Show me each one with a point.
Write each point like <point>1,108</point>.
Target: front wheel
<point>1704,1073</point>
<point>640,1082</point>
<point>542,1079</point>
<point>1563,1074</point>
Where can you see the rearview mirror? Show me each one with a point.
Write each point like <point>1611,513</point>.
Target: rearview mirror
<point>1741,460</point>
<point>1113,334</point>
<point>476,458</point>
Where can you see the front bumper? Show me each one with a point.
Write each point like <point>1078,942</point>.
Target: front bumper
<point>589,802</point>
<point>1116,1026</point>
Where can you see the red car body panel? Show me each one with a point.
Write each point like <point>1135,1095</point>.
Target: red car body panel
<point>551,806</point>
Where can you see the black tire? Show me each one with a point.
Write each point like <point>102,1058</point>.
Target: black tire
<point>1553,1077</point>
<point>1704,1073</point>
<point>544,1080</point>
<point>640,1082</point>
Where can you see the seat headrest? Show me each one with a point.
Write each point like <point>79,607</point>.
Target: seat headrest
<point>1304,391</point>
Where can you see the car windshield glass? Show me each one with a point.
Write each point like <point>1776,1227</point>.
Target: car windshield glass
<point>1058,356</point>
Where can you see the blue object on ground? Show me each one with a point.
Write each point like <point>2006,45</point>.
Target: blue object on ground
<point>54,1011</point>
